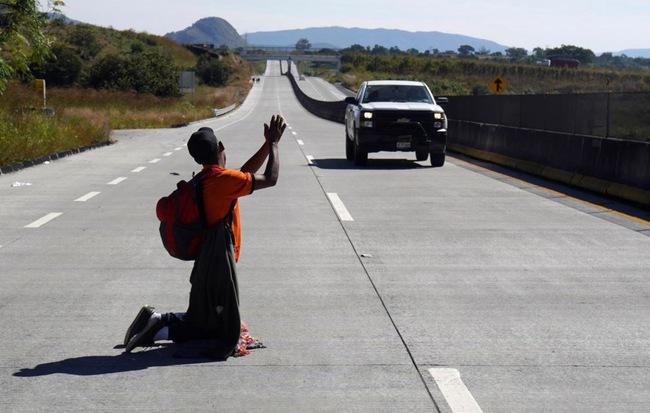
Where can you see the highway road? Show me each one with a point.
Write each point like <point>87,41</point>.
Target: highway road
<point>395,287</point>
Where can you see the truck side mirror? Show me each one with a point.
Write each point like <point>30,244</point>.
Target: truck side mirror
<point>351,100</point>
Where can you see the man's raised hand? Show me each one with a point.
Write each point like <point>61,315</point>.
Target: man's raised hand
<point>274,131</point>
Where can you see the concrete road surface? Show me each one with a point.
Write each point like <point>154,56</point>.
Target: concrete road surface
<point>396,287</point>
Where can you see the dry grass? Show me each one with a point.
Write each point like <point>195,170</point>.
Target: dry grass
<point>83,116</point>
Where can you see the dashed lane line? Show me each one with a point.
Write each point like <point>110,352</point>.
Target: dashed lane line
<point>339,207</point>
<point>117,181</point>
<point>44,220</point>
<point>87,197</point>
<point>458,397</point>
<point>310,159</point>
<point>139,169</point>
<point>156,160</point>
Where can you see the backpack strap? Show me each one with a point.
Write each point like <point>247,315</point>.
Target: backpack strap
<point>197,181</point>
<point>198,185</point>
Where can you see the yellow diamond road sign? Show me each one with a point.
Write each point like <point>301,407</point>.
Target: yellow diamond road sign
<point>498,85</point>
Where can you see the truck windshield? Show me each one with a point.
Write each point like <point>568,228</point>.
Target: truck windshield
<point>394,93</point>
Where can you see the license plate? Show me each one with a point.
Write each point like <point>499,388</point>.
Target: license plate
<point>404,142</point>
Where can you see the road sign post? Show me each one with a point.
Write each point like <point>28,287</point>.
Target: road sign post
<point>39,85</point>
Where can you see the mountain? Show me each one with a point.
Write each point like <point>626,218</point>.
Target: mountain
<point>341,37</point>
<point>635,53</point>
<point>211,30</point>
<point>217,31</point>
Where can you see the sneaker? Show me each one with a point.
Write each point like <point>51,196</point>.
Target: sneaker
<point>145,337</point>
<point>138,323</point>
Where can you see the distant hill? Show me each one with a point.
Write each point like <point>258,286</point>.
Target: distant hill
<point>217,31</point>
<point>211,30</point>
<point>341,37</point>
<point>635,53</point>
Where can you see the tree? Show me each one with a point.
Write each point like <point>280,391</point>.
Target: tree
<point>151,72</point>
<point>212,71</point>
<point>22,36</point>
<point>516,53</point>
<point>303,44</point>
<point>110,72</point>
<point>573,52</point>
<point>83,37</point>
<point>465,50</point>
<point>61,69</point>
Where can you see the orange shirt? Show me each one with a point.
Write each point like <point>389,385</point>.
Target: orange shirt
<point>220,188</point>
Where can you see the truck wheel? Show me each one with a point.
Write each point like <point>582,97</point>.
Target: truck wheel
<point>421,155</point>
<point>360,156</point>
<point>437,159</point>
<point>349,147</point>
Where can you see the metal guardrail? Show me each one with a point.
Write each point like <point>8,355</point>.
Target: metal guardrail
<point>220,112</point>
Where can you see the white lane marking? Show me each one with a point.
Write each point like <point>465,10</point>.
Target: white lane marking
<point>139,169</point>
<point>459,399</point>
<point>310,159</point>
<point>339,207</point>
<point>155,160</point>
<point>86,197</point>
<point>301,143</point>
<point>42,221</point>
<point>168,153</point>
<point>294,133</point>
<point>117,181</point>
<point>178,149</point>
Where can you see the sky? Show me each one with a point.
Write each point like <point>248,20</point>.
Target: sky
<point>598,25</point>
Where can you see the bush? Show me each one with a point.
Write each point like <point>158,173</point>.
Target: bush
<point>62,69</point>
<point>148,72</point>
<point>212,71</point>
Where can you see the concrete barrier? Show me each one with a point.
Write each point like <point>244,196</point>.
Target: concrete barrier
<point>608,166</point>
<point>334,111</point>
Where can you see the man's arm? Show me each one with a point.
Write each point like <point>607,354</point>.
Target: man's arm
<point>272,133</point>
<point>255,162</point>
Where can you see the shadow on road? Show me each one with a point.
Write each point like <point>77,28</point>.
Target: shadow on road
<point>373,164</point>
<point>100,365</point>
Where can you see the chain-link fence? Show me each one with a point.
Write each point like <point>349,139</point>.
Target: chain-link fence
<point>612,115</point>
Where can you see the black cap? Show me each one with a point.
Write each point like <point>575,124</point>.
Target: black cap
<point>202,145</point>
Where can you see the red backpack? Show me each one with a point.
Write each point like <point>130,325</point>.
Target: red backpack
<point>182,219</point>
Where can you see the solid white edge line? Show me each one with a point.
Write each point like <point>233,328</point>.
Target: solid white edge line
<point>117,181</point>
<point>458,397</point>
<point>139,169</point>
<point>88,196</point>
<point>339,207</point>
<point>44,220</point>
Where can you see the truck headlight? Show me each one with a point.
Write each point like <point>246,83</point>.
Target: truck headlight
<point>438,116</point>
<point>366,120</point>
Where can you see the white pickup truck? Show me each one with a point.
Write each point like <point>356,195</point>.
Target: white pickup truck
<point>395,115</point>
